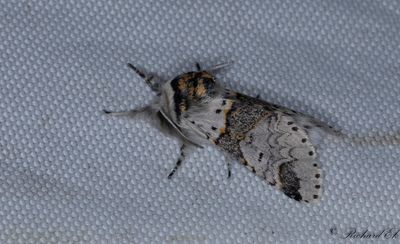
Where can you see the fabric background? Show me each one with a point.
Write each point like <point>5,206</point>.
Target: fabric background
<point>69,174</point>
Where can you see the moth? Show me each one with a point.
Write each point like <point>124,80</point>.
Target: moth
<point>275,143</point>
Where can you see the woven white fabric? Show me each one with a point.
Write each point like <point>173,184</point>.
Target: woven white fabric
<point>69,174</point>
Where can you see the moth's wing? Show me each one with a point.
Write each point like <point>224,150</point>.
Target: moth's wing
<point>280,147</point>
<point>280,150</point>
<point>206,120</point>
<point>304,119</point>
<point>263,138</point>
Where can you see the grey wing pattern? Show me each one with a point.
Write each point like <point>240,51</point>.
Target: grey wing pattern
<point>275,143</point>
<point>279,150</point>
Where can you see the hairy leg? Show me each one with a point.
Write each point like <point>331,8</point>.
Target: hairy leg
<point>128,113</point>
<point>229,166</point>
<point>178,162</point>
<point>150,80</point>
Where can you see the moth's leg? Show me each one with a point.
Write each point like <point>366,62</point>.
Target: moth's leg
<point>150,80</point>
<point>178,162</point>
<point>128,113</point>
<point>229,166</point>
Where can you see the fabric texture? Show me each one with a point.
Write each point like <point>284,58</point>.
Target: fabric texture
<point>70,174</point>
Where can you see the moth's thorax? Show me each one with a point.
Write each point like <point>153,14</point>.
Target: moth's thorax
<point>186,90</point>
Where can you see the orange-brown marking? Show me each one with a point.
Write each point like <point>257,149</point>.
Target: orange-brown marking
<point>182,107</point>
<point>182,84</point>
<point>222,130</point>
<point>200,89</point>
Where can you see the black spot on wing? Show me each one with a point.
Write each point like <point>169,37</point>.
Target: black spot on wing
<point>260,156</point>
<point>289,180</point>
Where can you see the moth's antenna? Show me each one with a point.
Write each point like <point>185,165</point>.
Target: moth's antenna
<point>147,78</point>
<point>220,66</point>
<point>137,71</point>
